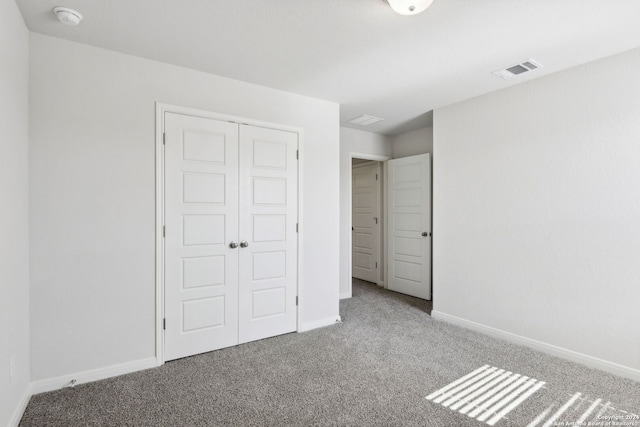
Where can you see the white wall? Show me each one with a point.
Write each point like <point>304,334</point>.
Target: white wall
<point>363,143</point>
<point>412,143</point>
<point>92,156</point>
<point>537,212</point>
<point>14,214</point>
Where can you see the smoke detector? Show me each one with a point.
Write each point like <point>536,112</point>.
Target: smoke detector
<point>68,16</point>
<point>518,69</point>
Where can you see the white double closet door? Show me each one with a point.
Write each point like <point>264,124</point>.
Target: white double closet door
<point>231,239</point>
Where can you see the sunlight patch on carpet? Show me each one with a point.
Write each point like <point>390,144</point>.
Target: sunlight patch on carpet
<point>487,394</point>
<point>580,411</point>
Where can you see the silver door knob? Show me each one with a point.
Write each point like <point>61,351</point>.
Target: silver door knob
<point>244,244</point>
<point>233,245</point>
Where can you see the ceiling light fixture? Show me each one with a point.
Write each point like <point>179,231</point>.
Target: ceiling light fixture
<point>409,7</point>
<point>67,16</point>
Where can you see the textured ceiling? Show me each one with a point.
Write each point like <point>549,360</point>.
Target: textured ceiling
<point>358,53</point>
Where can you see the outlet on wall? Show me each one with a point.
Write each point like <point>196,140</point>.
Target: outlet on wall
<point>12,367</point>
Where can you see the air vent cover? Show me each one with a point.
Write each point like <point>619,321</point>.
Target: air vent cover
<point>518,69</point>
<point>365,120</point>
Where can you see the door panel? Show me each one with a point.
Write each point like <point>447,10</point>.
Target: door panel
<point>268,217</point>
<point>365,239</point>
<point>201,218</point>
<point>226,182</point>
<point>409,213</point>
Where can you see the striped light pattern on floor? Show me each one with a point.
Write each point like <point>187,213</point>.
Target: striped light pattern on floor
<point>574,413</point>
<point>487,394</point>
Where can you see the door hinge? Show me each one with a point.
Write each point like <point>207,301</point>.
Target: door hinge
<point>376,177</point>
<point>164,138</point>
<point>164,323</point>
<point>297,154</point>
<point>296,300</point>
<point>297,226</point>
<point>375,219</point>
<point>376,265</point>
<point>164,231</point>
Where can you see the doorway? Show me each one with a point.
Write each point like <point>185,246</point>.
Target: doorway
<point>366,220</point>
<point>358,157</point>
<point>403,223</point>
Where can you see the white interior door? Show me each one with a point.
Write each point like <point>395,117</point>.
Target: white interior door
<point>409,220</point>
<point>268,232</point>
<point>365,242</point>
<point>231,213</point>
<point>201,219</point>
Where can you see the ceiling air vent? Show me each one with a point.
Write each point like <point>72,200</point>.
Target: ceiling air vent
<point>517,69</point>
<point>365,120</point>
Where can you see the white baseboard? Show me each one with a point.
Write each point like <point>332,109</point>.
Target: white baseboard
<point>19,411</point>
<point>320,323</point>
<point>574,356</point>
<point>345,295</point>
<point>56,383</point>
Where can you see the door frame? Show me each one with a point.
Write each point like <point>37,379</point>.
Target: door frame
<point>377,158</point>
<point>161,109</point>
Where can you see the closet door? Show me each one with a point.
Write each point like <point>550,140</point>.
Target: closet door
<point>201,219</point>
<point>268,217</point>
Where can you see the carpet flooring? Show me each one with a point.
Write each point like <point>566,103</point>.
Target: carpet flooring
<point>374,369</point>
